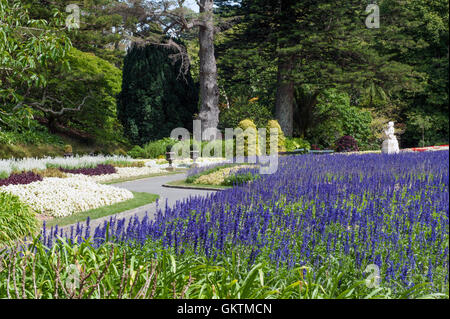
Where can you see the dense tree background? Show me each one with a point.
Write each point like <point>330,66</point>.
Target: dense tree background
<point>155,97</point>
<point>398,72</point>
<point>313,65</point>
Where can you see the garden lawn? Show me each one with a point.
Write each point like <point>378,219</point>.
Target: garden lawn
<point>140,199</point>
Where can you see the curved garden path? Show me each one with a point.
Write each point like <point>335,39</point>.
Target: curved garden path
<point>153,185</point>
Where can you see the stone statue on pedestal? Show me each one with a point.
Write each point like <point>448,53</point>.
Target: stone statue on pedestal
<point>390,143</point>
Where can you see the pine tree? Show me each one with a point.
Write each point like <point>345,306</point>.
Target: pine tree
<point>318,44</point>
<point>155,97</point>
<point>100,31</point>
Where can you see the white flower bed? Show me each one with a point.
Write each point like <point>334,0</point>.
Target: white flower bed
<point>186,162</point>
<point>59,197</point>
<point>205,161</point>
<point>29,164</point>
<point>126,172</point>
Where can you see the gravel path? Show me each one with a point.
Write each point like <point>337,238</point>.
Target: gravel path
<point>152,185</point>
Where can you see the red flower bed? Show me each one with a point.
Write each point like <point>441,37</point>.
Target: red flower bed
<point>428,148</point>
<point>99,170</point>
<point>20,179</point>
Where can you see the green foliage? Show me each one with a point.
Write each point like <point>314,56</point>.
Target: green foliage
<point>4,174</point>
<point>136,152</point>
<point>157,148</point>
<point>240,179</point>
<point>155,97</point>
<point>294,143</point>
<point>153,149</point>
<point>245,71</point>
<point>243,108</point>
<point>17,220</point>
<point>118,163</point>
<point>126,271</point>
<point>23,151</point>
<point>421,30</point>
<point>391,70</point>
<point>97,22</point>
<point>97,83</point>
<point>426,125</point>
<point>27,48</point>
<point>335,118</point>
<point>220,145</point>
<point>34,134</point>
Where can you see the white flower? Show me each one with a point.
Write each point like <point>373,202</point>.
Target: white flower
<point>59,197</point>
<point>126,172</point>
<point>28,164</point>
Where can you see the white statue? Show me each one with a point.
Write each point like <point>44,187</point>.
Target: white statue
<point>390,143</point>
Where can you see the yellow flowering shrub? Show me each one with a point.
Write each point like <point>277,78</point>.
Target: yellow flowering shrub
<point>273,124</point>
<point>218,177</point>
<point>251,147</point>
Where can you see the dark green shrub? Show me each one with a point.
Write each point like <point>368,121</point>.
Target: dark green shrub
<point>240,179</point>
<point>158,148</point>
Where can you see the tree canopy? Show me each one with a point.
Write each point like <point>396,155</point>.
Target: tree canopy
<point>305,63</point>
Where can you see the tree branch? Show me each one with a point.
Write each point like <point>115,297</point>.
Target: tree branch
<point>39,105</point>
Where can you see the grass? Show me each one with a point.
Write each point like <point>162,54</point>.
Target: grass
<point>123,180</point>
<point>183,183</point>
<point>16,219</point>
<point>140,199</point>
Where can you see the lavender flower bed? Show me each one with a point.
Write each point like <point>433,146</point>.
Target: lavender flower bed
<point>341,211</point>
<point>100,169</point>
<point>20,179</point>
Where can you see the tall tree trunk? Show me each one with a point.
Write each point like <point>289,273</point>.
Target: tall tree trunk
<point>284,105</point>
<point>209,90</point>
<point>52,124</point>
<point>304,104</point>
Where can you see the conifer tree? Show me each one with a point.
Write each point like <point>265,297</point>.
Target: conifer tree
<point>155,98</point>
